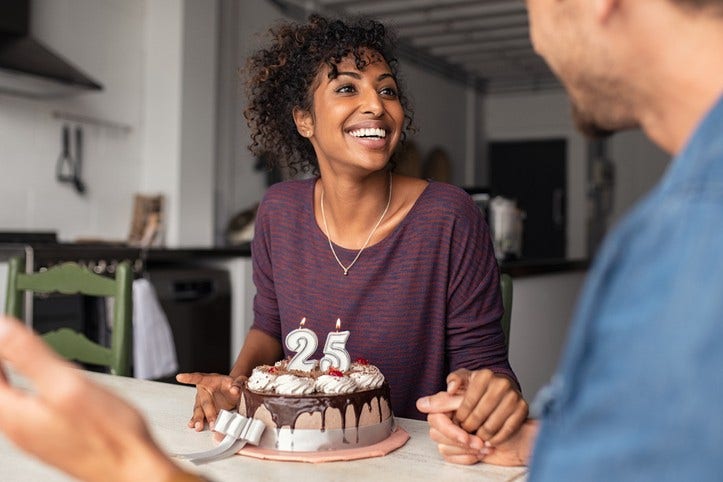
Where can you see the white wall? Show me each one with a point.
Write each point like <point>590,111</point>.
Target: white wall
<point>180,115</point>
<point>156,61</point>
<point>105,39</point>
<point>239,185</point>
<point>440,114</point>
<point>542,308</point>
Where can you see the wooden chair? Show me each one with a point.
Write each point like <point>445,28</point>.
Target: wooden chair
<point>506,286</point>
<point>71,278</point>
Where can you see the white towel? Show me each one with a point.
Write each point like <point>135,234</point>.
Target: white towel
<point>154,354</point>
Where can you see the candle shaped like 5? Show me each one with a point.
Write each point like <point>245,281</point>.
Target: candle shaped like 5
<point>304,342</point>
<point>335,354</point>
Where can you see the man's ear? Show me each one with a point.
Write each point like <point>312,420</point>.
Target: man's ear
<point>304,122</point>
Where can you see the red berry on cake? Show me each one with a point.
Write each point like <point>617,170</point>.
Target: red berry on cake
<point>334,372</point>
<point>362,361</point>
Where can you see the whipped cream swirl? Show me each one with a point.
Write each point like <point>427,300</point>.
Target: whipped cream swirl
<point>292,385</point>
<point>334,385</point>
<point>366,377</point>
<point>262,380</point>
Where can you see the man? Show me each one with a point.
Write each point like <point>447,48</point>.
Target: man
<point>639,391</point>
<point>640,388</point>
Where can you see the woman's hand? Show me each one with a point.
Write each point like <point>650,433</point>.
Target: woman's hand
<point>214,392</point>
<point>491,406</point>
<point>70,422</point>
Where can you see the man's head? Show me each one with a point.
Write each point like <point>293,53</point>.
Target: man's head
<point>566,33</point>
<point>599,50</point>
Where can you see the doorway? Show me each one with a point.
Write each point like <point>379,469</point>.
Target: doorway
<point>534,173</point>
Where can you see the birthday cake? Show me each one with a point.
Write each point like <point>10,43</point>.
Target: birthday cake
<point>316,410</point>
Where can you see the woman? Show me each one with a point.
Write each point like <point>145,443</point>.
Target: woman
<point>406,264</point>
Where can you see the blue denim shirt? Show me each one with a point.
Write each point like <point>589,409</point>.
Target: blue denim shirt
<point>639,392</point>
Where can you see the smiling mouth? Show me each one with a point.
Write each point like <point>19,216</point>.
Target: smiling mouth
<point>369,133</point>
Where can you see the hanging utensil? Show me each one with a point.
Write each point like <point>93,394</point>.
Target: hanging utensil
<point>67,167</point>
<point>64,162</point>
<point>77,179</point>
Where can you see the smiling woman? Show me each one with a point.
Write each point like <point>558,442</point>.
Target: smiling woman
<point>406,264</point>
<point>282,77</point>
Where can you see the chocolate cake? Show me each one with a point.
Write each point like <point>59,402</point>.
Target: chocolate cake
<point>314,411</point>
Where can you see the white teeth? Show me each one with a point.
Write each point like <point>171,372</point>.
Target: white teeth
<point>370,132</point>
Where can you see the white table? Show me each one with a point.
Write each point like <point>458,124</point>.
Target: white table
<point>167,409</point>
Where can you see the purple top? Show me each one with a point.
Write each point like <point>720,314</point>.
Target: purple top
<point>420,303</point>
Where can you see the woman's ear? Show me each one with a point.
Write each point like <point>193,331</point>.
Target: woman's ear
<point>304,122</point>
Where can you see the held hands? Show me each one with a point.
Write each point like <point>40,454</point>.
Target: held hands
<point>213,393</point>
<point>491,406</point>
<point>477,418</point>
<point>70,422</point>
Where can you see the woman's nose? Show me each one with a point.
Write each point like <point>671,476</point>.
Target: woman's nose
<point>372,103</point>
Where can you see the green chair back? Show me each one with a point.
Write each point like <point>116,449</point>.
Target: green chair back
<point>506,286</point>
<point>72,278</point>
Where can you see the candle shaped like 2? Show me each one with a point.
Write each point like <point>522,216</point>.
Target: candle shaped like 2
<point>304,342</point>
<point>335,354</point>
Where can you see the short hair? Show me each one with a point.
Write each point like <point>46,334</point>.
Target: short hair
<point>280,78</point>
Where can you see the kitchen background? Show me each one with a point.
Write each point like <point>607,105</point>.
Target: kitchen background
<point>168,121</point>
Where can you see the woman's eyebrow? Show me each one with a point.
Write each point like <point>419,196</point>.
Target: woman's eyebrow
<point>358,76</point>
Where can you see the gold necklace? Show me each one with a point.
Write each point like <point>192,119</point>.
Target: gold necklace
<point>328,235</point>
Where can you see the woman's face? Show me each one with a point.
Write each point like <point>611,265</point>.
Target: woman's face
<point>356,119</point>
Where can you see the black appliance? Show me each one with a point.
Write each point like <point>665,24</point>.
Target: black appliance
<point>197,303</point>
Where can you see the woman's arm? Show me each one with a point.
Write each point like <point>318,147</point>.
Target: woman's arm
<point>259,349</point>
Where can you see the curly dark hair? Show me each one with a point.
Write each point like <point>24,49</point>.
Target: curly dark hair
<point>281,77</point>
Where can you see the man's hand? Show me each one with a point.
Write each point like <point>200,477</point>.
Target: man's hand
<point>70,422</point>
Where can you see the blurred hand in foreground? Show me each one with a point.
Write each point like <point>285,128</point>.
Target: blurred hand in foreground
<point>72,423</point>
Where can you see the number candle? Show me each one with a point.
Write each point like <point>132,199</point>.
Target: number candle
<point>335,354</point>
<point>304,342</point>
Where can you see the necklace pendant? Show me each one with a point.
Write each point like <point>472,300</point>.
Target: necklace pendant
<point>346,271</point>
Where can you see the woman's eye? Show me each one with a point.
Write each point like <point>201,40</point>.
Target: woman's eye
<point>389,92</point>
<point>346,89</point>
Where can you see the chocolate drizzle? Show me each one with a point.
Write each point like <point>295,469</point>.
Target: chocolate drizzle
<point>285,410</point>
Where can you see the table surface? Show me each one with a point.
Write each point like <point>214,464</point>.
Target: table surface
<point>167,408</point>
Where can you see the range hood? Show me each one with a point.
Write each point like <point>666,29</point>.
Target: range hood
<point>27,67</point>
